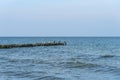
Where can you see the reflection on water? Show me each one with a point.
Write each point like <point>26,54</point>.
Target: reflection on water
<point>81,59</point>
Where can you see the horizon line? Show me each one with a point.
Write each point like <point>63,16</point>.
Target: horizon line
<point>58,36</point>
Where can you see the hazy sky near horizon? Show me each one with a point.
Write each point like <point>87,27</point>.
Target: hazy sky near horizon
<point>59,17</point>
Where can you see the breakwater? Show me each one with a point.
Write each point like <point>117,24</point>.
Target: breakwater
<point>6,46</point>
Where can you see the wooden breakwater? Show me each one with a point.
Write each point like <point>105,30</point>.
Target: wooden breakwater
<point>33,45</point>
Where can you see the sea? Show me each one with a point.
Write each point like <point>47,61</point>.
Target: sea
<point>83,58</point>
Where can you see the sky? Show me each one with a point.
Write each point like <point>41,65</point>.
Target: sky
<point>59,17</point>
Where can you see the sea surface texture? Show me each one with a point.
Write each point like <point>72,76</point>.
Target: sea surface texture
<point>90,58</point>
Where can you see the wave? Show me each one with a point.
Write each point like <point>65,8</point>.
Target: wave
<point>49,78</point>
<point>78,64</point>
<point>107,56</point>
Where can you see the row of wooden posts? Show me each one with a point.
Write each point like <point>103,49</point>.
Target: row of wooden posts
<point>59,43</point>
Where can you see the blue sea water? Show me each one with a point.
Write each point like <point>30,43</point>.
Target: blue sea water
<point>83,58</point>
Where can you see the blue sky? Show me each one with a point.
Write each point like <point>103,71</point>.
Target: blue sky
<point>59,17</point>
